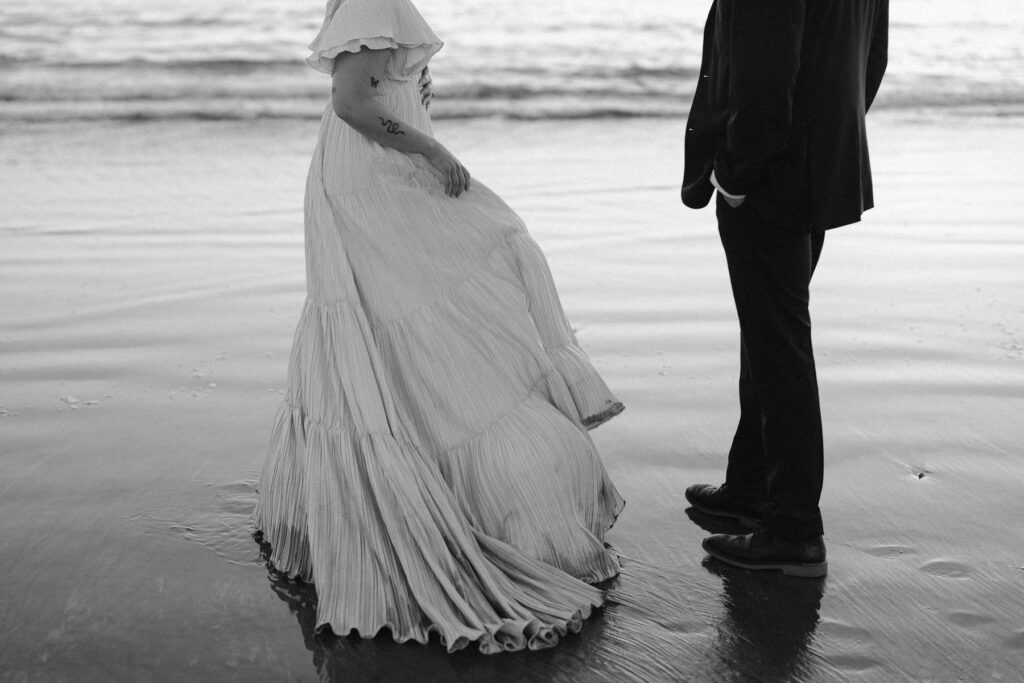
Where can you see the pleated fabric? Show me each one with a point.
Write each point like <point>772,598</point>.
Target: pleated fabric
<point>430,467</point>
<point>377,25</point>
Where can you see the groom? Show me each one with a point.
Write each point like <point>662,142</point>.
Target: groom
<point>777,128</point>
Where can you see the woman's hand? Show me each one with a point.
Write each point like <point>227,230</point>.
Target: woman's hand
<point>455,175</point>
<point>353,94</point>
<point>426,94</point>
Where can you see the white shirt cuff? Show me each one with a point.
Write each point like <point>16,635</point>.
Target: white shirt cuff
<point>714,181</point>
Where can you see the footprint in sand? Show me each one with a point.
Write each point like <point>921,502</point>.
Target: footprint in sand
<point>77,403</point>
<point>965,619</point>
<point>947,569</point>
<point>889,551</point>
<point>851,663</point>
<point>839,629</point>
<point>849,637</point>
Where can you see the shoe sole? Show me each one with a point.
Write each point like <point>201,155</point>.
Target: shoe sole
<point>749,522</point>
<point>814,570</point>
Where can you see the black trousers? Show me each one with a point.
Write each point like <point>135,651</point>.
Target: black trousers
<point>777,454</point>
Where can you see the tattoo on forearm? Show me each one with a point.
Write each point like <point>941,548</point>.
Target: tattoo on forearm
<point>390,126</point>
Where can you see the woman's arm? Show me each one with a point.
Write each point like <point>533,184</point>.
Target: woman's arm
<point>352,96</point>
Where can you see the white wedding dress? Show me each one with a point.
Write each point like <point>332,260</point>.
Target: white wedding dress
<point>430,467</point>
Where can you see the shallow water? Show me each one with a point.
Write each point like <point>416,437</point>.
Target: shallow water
<point>152,277</point>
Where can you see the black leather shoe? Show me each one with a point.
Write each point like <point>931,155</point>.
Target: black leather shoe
<point>719,501</point>
<point>764,550</point>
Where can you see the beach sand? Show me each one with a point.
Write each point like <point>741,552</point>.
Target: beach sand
<point>152,275</point>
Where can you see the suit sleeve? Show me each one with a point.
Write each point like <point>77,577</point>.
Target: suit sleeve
<point>765,37</point>
<point>878,56</point>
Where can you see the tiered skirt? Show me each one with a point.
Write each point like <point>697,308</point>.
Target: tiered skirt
<point>430,467</point>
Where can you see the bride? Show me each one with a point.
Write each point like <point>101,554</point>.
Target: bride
<point>429,468</point>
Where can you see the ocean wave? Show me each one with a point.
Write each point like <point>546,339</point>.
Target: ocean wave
<point>302,111</point>
<point>547,110</point>
<point>229,117</point>
<point>274,83</point>
<point>215,65</point>
<point>231,89</point>
<point>233,64</point>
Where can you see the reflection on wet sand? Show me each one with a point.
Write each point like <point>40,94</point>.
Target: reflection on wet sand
<point>619,625</point>
<point>301,600</point>
<point>763,629</point>
<point>768,620</point>
<point>769,623</point>
<point>352,657</point>
<point>655,615</point>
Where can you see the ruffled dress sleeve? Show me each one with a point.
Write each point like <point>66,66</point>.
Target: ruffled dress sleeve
<point>378,25</point>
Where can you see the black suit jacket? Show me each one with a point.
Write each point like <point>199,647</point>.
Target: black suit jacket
<point>779,108</point>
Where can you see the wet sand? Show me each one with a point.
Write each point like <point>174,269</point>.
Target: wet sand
<point>152,275</point>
